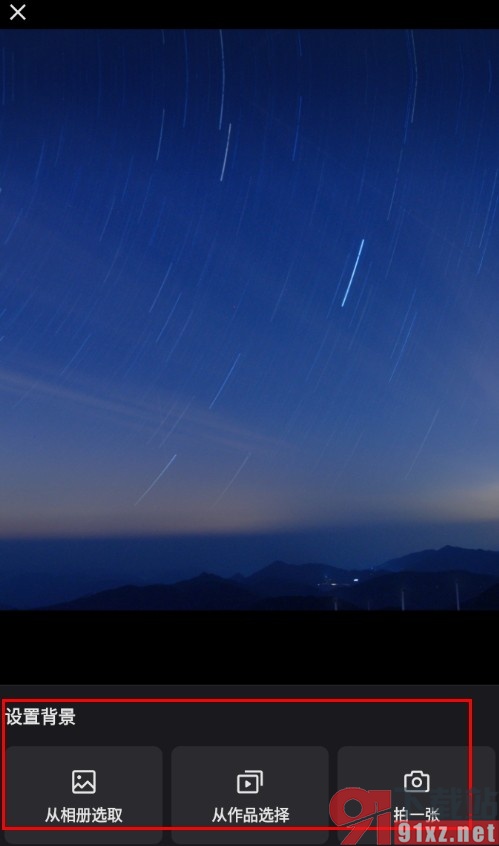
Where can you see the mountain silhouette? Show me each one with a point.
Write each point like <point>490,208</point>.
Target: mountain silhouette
<point>486,601</point>
<point>447,558</point>
<point>426,580</point>
<point>427,590</point>
<point>203,592</point>
<point>281,579</point>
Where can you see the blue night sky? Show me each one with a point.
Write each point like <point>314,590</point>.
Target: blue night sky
<point>250,285</point>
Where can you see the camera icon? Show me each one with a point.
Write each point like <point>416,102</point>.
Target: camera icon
<point>416,782</point>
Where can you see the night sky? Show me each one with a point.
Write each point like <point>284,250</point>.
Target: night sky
<point>250,284</point>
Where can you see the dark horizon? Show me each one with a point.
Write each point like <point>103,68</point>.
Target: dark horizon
<point>104,576</point>
<point>169,556</point>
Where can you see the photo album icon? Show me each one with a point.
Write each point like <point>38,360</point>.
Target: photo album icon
<point>83,781</point>
<point>250,781</point>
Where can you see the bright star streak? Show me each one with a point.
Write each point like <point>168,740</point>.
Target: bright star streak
<point>353,274</point>
<point>423,443</point>
<point>225,381</point>
<point>161,288</point>
<point>226,151</point>
<point>236,474</point>
<point>160,136</point>
<point>156,479</point>
<point>223,80</point>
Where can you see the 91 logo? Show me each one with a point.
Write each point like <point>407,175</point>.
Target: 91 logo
<point>375,806</point>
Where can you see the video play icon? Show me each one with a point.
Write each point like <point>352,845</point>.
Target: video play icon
<point>250,781</point>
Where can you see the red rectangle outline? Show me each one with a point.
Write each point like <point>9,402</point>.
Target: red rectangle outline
<point>4,702</point>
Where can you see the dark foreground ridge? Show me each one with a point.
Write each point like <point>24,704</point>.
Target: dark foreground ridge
<point>450,578</point>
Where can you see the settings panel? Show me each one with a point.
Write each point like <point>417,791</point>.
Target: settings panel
<point>252,764</point>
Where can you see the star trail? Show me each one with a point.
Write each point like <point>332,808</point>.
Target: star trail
<point>250,283</point>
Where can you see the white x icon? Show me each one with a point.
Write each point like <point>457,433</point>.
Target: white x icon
<point>17,12</point>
